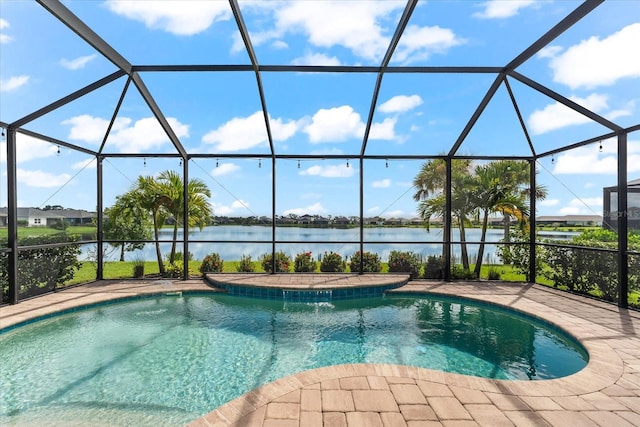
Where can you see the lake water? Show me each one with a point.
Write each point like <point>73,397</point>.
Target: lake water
<point>233,241</point>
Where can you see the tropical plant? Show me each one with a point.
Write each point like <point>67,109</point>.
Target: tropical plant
<point>211,263</point>
<point>282,262</point>
<point>370,262</point>
<point>245,265</point>
<point>404,262</point>
<point>174,270</point>
<point>332,262</point>
<point>431,184</point>
<point>163,197</point>
<point>304,263</point>
<point>199,214</point>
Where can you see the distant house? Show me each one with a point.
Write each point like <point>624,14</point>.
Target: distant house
<point>570,220</point>
<point>35,217</point>
<point>610,206</point>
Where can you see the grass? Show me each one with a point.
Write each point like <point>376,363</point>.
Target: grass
<point>46,231</point>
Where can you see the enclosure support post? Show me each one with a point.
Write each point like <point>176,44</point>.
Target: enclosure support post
<point>12,212</point>
<point>273,214</point>
<point>532,221</point>
<point>185,218</point>
<point>447,221</point>
<point>623,265</point>
<point>361,215</point>
<point>99,222</point>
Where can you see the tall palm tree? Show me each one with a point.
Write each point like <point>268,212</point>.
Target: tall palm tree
<point>496,190</point>
<point>199,213</point>
<point>430,184</point>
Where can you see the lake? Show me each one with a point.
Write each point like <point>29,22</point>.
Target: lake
<point>233,241</point>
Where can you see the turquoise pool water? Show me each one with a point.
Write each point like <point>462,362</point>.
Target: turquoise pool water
<point>168,360</point>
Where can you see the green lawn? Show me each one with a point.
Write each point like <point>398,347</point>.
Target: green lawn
<point>46,231</point>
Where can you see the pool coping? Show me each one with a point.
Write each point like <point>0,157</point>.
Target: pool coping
<point>608,388</point>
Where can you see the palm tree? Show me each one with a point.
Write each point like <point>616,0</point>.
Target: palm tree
<point>496,190</point>
<point>150,196</point>
<point>200,212</point>
<point>430,184</point>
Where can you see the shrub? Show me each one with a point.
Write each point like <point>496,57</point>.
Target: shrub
<point>212,263</point>
<point>42,269</point>
<point>405,262</point>
<point>178,256</point>
<point>174,270</point>
<point>283,261</point>
<point>245,265</point>
<point>493,274</point>
<point>304,263</point>
<point>459,273</point>
<point>138,268</point>
<point>370,262</point>
<point>434,267</point>
<point>332,263</point>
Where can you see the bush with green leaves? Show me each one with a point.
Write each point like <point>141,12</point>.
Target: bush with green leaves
<point>174,270</point>
<point>42,269</point>
<point>212,263</point>
<point>404,262</point>
<point>332,262</point>
<point>245,265</point>
<point>282,261</point>
<point>370,262</point>
<point>304,263</point>
<point>434,267</point>
<point>517,254</point>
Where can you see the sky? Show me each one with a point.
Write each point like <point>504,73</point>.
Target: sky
<point>595,64</point>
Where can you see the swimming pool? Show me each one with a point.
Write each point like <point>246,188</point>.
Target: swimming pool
<point>168,360</point>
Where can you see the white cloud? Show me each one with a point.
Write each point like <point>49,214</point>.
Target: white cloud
<point>589,160</point>
<point>334,125</point>
<point>85,164</point>
<point>87,128</point>
<point>241,133</point>
<point>549,51</point>
<point>549,202</point>
<point>28,148</point>
<point>279,44</point>
<point>499,9</point>
<point>225,210</point>
<point>394,214</point>
<point>585,206</point>
<point>384,130</point>
<point>4,38</point>
<point>419,43</point>
<point>224,169</point>
<point>126,135</point>
<point>599,62</point>
<point>315,209</point>
<point>182,18</point>
<point>13,83</point>
<point>331,23</point>
<point>40,179</point>
<point>332,171</point>
<point>385,183</point>
<point>77,63</point>
<point>316,59</point>
<point>373,210</point>
<point>400,104</point>
<point>557,115</point>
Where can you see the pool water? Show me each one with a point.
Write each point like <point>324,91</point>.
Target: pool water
<point>168,360</point>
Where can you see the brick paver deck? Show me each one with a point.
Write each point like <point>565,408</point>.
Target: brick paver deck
<point>605,393</point>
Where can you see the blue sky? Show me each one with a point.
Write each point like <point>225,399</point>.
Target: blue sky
<point>595,64</point>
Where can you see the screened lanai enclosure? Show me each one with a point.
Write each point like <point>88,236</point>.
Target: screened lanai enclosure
<point>449,139</point>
